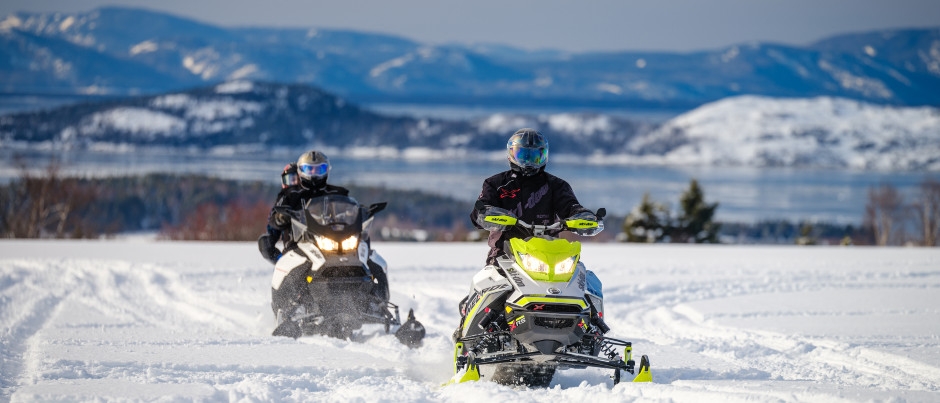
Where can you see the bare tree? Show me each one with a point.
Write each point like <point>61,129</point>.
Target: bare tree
<point>884,215</point>
<point>36,206</point>
<point>927,211</point>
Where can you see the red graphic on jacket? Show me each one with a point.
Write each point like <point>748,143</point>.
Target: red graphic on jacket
<point>504,193</point>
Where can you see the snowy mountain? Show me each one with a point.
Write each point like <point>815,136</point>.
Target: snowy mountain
<point>249,116</point>
<point>817,132</point>
<point>245,117</point>
<point>129,51</point>
<point>138,320</point>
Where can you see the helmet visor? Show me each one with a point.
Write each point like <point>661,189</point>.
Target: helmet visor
<point>289,179</point>
<point>314,170</point>
<point>529,157</point>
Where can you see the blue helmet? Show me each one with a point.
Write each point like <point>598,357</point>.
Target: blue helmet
<point>528,151</point>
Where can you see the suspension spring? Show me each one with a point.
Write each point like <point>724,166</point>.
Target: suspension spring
<point>610,351</point>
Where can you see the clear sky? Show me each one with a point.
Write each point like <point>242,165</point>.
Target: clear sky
<point>585,25</point>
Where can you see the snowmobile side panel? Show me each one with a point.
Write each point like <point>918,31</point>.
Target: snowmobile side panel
<point>364,252</point>
<point>287,263</point>
<point>316,257</point>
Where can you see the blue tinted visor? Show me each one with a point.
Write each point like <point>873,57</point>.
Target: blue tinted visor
<point>529,157</point>
<point>314,170</point>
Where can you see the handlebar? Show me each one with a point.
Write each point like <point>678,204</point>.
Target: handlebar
<point>503,219</point>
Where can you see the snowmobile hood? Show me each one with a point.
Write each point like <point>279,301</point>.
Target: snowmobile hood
<point>551,260</point>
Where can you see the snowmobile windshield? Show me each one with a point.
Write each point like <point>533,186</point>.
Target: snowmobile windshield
<point>334,209</point>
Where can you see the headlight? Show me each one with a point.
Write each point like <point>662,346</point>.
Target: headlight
<point>350,243</point>
<point>565,266</point>
<point>326,244</point>
<point>329,245</point>
<point>533,264</point>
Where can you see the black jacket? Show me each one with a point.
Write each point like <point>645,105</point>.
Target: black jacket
<point>293,197</point>
<point>540,199</point>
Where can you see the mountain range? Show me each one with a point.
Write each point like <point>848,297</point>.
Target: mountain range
<point>123,51</point>
<point>257,117</point>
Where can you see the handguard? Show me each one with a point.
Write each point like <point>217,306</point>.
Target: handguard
<point>495,219</point>
<point>585,223</point>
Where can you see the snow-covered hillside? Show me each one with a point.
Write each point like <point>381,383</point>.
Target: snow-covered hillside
<point>817,132</point>
<point>141,320</point>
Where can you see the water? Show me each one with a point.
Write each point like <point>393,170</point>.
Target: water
<point>743,194</point>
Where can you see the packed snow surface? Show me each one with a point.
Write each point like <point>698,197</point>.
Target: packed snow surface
<point>142,320</point>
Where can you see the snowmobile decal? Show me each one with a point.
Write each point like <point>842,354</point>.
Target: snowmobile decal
<point>316,257</point>
<point>500,219</point>
<point>526,300</point>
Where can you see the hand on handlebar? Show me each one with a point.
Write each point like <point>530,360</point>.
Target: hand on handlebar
<point>495,218</point>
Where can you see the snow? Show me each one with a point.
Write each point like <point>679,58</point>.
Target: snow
<point>235,87</point>
<point>144,47</point>
<point>143,320</point>
<point>142,122</point>
<point>818,132</point>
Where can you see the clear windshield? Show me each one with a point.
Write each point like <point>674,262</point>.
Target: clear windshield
<point>334,209</point>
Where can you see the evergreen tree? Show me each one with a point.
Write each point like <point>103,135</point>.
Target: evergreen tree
<point>807,236</point>
<point>694,223</point>
<point>647,222</point>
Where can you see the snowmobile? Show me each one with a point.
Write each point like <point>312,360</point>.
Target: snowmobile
<point>341,281</point>
<point>538,309</point>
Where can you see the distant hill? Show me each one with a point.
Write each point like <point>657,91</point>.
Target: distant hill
<point>817,132</point>
<point>245,116</point>
<point>126,51</point>
<point>249,117</point>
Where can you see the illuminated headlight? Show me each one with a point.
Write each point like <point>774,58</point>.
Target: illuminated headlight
<point>565,266</point>
<point>533,264</point>
<point>350,243</point>
<point>329,245</point>
<point>326,244</point>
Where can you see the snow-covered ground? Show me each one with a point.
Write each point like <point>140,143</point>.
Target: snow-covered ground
<point>142,320</point>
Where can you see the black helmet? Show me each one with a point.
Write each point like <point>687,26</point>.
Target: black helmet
<point>528,151</point>
<point>289,176</point>
<point>313,168</point>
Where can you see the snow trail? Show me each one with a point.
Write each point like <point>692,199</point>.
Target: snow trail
<point>132,320</point>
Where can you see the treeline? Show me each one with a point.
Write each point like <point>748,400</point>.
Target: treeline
<point>896,220</point>
<point>889,220</point>
<point>195,207</point>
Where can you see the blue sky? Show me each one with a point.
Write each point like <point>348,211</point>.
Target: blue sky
<point>659,25</point>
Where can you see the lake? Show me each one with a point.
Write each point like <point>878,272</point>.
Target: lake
<point>744,194</point>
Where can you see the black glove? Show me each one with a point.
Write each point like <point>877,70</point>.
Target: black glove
<point>267,249</point>
<point>281,220</point>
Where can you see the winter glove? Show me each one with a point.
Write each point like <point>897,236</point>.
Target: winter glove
<point>281,220</point>
<point>268,251</point>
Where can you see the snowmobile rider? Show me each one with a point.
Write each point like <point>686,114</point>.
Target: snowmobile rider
<point>300,182</point>
<point>313,170</point>
<point>290,182</point>
<point>530,194</point>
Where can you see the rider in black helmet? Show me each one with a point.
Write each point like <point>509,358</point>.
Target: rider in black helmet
<point>531,194</point>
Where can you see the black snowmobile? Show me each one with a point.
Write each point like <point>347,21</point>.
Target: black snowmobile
<point>538,310</point>
<point>339,281</point>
